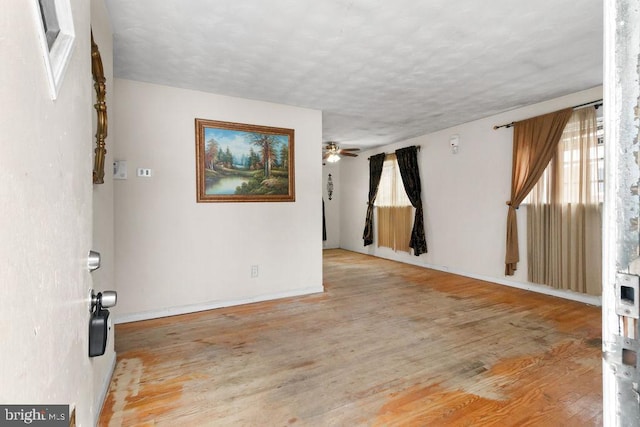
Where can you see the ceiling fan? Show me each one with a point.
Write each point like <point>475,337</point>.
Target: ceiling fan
<point>332,152</point>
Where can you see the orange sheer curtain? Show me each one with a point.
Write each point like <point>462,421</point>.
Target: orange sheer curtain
<point>534,143</point>
<point>394,227</point>
<point>564,224</point>
<point>393,208</point>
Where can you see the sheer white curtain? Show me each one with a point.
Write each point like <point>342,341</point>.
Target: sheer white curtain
<point>564,220</point>
<point>393,208</point>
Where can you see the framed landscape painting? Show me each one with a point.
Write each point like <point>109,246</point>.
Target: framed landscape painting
<point>238,162</point>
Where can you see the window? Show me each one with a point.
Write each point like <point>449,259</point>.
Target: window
<point>575,161</point>
<point>599,155</point>
<point>393,208</point>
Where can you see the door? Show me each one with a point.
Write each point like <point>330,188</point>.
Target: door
<point>621,265</point>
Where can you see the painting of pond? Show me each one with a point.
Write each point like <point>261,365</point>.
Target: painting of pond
<point>226,184</point>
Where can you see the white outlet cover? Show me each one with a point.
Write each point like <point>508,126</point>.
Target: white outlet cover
<point>144,172</point>
<point>120,169</point>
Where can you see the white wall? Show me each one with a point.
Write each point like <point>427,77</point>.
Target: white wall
<point>174,255</point>
<point>332,207</point>
<point>464,196</point>
<point>45,219</point>
<point>103,214</point>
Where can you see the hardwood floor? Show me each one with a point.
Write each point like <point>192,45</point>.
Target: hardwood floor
<point>387,344</point>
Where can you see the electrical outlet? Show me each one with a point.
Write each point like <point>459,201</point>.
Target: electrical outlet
<point>254,271</point>
<point>143,172</point>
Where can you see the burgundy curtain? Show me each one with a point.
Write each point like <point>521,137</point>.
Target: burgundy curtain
<point>534,143</point>
<point>375,172</point>
<point>410,173</point>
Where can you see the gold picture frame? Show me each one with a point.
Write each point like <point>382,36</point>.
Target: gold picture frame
<point>99,84</point>
<point>231,165</point>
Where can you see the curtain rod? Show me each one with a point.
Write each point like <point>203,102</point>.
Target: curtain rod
<point>597,103</point>
<point>417,146</point>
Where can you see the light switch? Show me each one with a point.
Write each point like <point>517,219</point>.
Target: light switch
<point>120,169</point>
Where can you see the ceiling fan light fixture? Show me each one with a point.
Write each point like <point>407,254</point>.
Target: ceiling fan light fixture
<point>332,158</point>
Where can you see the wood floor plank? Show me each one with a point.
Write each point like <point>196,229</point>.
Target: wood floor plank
<point>386,344</point>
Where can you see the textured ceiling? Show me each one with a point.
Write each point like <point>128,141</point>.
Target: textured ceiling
<point>381,71</point>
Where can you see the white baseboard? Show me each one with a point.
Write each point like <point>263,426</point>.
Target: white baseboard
<point>192,308</point>
<point>326,245</point>
<point>533,287</point>
<point>105,389</point>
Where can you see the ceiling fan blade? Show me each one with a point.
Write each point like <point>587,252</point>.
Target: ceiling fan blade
<point>325,155</point>
<point>348,154</point>
<point>349,149</point>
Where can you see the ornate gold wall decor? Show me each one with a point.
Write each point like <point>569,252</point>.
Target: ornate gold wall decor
<point>99,83</point>
<point>330,187</point>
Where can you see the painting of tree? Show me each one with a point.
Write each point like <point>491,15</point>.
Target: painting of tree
<point>268,145</point>
<point>211,154</point>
